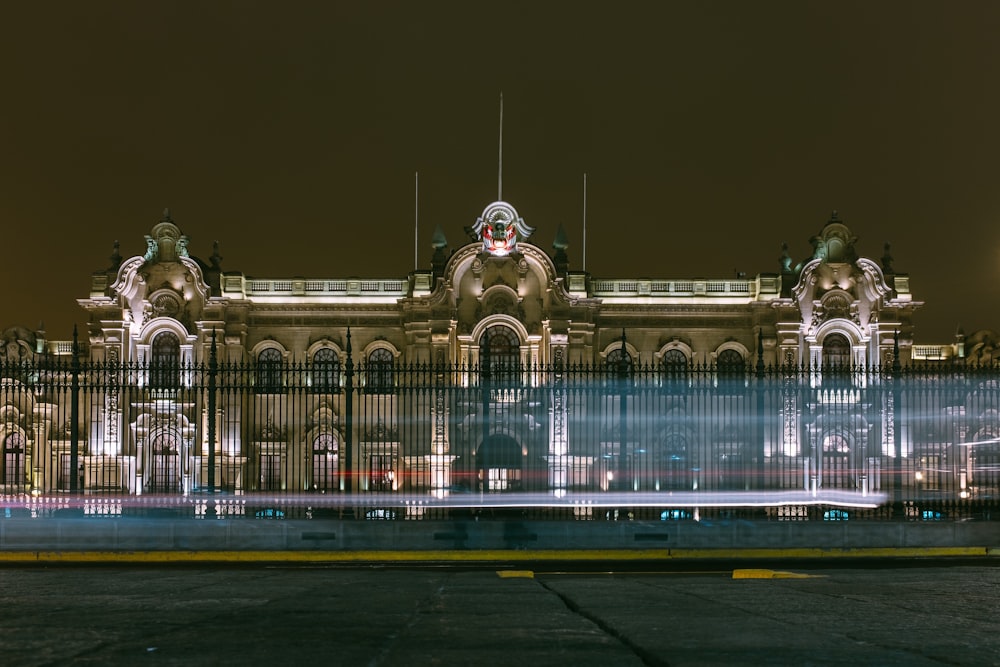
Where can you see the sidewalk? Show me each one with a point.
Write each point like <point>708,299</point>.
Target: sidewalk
<point>236,540</point>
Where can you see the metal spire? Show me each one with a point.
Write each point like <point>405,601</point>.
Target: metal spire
<point>416,215</point>
<point>585,221</point>
<point>500,155</point>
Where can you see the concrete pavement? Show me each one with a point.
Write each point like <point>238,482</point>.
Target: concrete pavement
<point>255,615</point>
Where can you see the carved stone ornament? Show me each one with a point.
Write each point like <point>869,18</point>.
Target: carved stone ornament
<point>166,305</point>
<point>499,228</point>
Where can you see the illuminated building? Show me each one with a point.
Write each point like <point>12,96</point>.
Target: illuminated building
<point>158,319</point>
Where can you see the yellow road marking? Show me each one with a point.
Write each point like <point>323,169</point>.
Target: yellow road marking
<point>757,573</point>
<point>515,574</point>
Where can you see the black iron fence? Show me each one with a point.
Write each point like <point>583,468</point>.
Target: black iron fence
<point>393,441</point>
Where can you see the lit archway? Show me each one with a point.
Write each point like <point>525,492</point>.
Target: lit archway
<point>500,463</point>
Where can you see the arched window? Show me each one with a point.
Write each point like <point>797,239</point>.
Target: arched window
<point>619,361</point>
<point>269,370</point>
<point>13,458</point>
<point>379,373</point>
<point>325,371</point>
<point>675,369</point>
<point>730,362</point>
<point>165,361</point>
<point>675,361</point>
<point>836,353</point>
<point>619,369</point>
<point>500,353</point>
<point>835,444</point>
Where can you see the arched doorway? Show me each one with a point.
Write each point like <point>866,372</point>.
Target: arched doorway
<point>326,462</point>
<point>836,467</point>
<point>672,463</point>
<point>499,464</point>
<point>164,463</point>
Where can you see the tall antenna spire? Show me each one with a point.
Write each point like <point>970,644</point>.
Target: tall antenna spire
<point>500,165</point>
<point>585,221</point>
<point>416,215</point>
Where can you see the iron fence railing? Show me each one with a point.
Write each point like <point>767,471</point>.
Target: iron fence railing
<point>409,441</point>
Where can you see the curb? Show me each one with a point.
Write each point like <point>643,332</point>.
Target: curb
<point>490,556</point>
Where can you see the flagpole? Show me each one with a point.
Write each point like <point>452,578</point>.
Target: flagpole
<point>416,215</point>
<point>584,221</point>
<point>500,155</point>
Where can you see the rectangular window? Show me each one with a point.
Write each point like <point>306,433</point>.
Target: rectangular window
<point>13,467</point>
<point>380,476</point>
<point>270,472</point>
<point>325,472</point>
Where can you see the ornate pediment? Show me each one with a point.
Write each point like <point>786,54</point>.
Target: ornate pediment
<point>164,282</point>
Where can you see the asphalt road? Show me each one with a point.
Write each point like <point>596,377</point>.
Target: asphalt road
<point>277,615</point>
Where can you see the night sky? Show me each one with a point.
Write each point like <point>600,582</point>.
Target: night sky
<point>710,132</point>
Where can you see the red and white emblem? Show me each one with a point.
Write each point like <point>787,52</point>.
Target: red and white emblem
<point>499,227</point>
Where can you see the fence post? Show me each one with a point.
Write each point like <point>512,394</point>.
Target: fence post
<point>485,378</point>
<point>759,433</point>
<point>74,411</point>
<point>897,443</point>
<point>624,364</point>
<point>349,417</point>
<point>213,368</point>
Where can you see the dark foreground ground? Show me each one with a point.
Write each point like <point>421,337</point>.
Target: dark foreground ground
<point>889,613</point>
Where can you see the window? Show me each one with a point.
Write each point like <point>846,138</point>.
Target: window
<point>675,370</point>
<point>13,458</point>
<point>325,371</point>
<point>500,353</point>
<point>270,472</point>
<point>165,361</point>
<point>380,474</point>
<point>619,361</point>
<point>835,444</point>
<point>325,462</point>
<point>730,371</point>
<point>379,374</point>
<point>619,368</point>
<point>836,353</point>
<point>730,362</point>
<point>269,370</point>
<point>675,361</point>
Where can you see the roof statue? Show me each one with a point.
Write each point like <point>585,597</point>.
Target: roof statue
<point>786,259</point>
<point>216,258</point>
<point>887,260</point>
<point>116,257</point>
<point>152,249</point>
<point>561,241</point>
<point>438,240</point>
